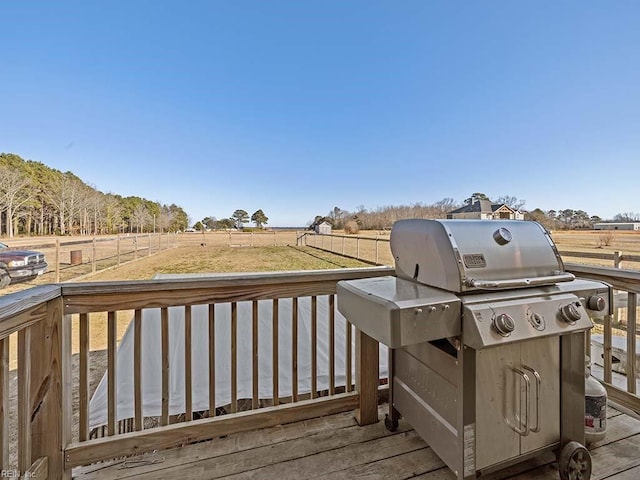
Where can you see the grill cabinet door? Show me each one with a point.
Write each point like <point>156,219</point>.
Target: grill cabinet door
<point>502,408</point>
<point>496,398</point>
<point>543,355</point>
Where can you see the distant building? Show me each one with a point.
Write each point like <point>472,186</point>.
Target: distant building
<point>323,228</point>
<point>617,226</point>
<point>485,210</point>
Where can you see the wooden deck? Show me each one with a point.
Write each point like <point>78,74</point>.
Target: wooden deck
<point>336,447</point>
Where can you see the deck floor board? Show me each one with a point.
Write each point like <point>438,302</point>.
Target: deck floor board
<point>335,447</point>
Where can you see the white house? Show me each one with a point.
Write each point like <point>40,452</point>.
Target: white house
<point>485,210</point>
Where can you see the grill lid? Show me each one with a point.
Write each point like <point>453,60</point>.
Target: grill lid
<point>467,255</point>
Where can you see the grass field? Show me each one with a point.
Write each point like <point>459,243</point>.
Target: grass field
<point>227,259</point>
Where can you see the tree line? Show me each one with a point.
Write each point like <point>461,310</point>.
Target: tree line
<point>38,200</point>
<point>382,218</point>
<point>236,220</point>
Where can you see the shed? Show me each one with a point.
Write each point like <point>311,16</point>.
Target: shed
<point>617,226</point>
<point>323,228</point>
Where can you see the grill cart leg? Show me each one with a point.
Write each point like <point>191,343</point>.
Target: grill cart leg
<point>391,418</point>
<point>367,378</point>
<point>574,460</point>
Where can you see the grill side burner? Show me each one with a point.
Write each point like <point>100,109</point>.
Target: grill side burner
<point>488,377</point>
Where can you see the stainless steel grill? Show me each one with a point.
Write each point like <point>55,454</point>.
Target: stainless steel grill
<point>486,334</point>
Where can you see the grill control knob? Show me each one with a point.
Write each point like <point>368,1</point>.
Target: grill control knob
<point>503,324</point>
<point>596,303</point>
<point>570,312</point>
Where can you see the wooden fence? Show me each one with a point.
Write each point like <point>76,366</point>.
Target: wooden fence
<point>377,251</point>
<point>72,258</point>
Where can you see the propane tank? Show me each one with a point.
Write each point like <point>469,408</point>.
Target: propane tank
<point>595,416</point>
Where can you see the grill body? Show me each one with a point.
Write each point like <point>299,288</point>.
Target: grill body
<point>487,376</point>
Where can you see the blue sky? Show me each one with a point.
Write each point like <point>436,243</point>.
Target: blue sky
<point>295,107</point>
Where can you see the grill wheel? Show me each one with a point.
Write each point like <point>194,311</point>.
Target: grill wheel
<point>574,462</point>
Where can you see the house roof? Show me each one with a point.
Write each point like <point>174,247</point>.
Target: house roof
<point>482,206</point>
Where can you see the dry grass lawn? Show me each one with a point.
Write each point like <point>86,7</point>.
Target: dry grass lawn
<point>197,259</point>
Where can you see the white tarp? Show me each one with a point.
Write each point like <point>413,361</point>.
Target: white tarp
<point>151,378</point>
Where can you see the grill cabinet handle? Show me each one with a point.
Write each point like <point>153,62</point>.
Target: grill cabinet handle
<point>536,375</point>
<point>519,282</point>
<point>523,429</point>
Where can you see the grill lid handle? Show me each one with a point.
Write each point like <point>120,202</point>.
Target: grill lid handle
<point>519,282</point>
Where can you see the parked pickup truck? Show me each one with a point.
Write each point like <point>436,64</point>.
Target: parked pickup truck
<point>19,265</point>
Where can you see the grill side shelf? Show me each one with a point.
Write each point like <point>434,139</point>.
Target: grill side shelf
<point>399,312</point>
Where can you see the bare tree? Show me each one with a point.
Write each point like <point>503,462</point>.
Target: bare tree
<point>627,217</point>
<point>62,194</point>
<point>14,193</point>
<point>140,217</point>
<point>165,219</point>
<point>513,202</point>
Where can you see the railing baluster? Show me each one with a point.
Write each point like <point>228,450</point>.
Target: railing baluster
<point>164,325</point>
<point>275,359</point>
<point>212,360</point>
<point>112,401</point>
<point>137,369</point>
<point>332,345</point>
<point>83,391</point>
<point>347,357</point>
<point>4,403</point>
<point>632,307</point>
<point>294,349</point>
<point>24,396</point>
<point>606,349</point>
<point>314,346</point>
<point>188,388</point>
<point>254,350</point>
<point>234,357</point>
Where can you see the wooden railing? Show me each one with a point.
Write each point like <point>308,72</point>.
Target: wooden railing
<point>32,421</point>
<point>622,382</point>
<point>49,332</point>
<point>54,432</point>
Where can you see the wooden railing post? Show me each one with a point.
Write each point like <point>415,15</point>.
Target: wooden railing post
<point>50,389</point>
<point>367,373</point>
<point>617,259</point>
<point>4,403</point>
